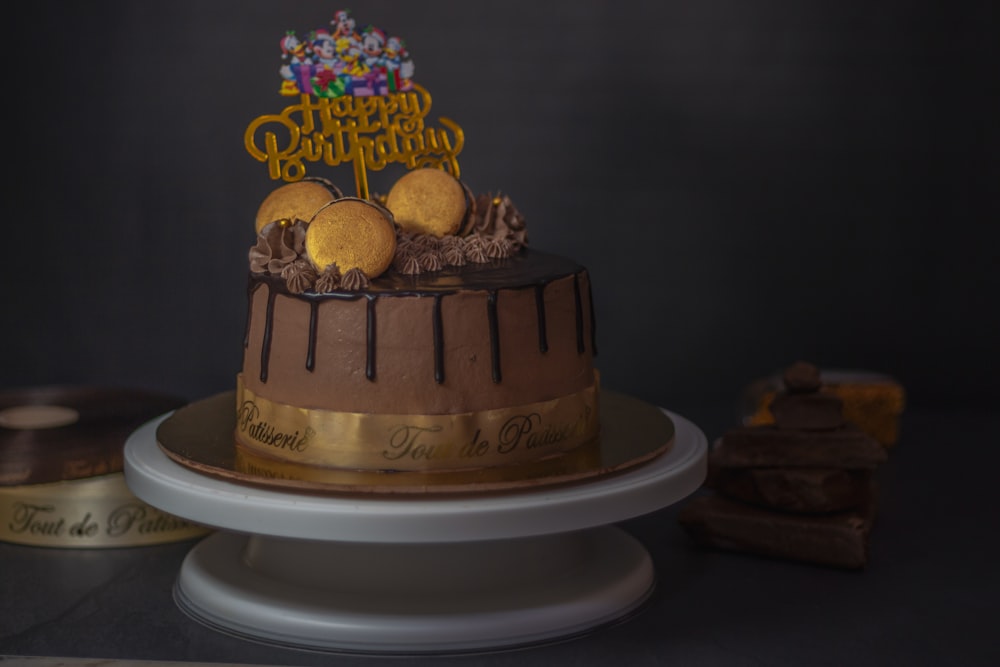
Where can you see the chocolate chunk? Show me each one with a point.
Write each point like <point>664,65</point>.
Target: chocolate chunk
<point>801,377</point>
<point>814,412</point>
<point>836,540</point>
<point>768,447</point>
<point>805,490</point>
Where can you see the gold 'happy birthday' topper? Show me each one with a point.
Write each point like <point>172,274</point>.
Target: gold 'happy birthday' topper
<point>357,104</point>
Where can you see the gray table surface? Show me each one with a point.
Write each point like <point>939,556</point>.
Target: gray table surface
<point>929,595</point>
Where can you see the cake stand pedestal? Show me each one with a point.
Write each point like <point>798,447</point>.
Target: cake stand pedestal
<point>413,575</point>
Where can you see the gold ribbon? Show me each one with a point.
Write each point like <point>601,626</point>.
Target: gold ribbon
<point>362,441</point>
<point>92,513</point>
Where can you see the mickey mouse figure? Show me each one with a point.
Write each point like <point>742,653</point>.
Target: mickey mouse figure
<point>372,47</point>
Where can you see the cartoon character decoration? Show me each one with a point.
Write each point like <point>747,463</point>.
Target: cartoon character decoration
<point>356,104</point>
<point>372,43</point>
<point>293,60</point>
<point>344,30</point>
<point>339,61</point>
<point>398,60</point>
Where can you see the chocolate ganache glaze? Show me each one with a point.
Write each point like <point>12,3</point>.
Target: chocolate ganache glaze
<point>526,270</point>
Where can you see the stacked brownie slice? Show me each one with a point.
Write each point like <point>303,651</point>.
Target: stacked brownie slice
<point>801,488</point>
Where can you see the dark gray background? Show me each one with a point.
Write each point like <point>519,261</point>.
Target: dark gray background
<point>749,183</point>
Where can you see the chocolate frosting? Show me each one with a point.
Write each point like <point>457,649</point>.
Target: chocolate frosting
<point>329,280</point>
<point>496,217</point>
<point>527,270</point>
<point>355,279</point>
<point>299,276</point>
<point>278,245</point>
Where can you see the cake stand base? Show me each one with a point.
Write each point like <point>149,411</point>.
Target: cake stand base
<point>403,574</point>
<point>414,598</point>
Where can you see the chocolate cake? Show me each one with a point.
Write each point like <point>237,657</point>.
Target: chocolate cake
<point>411,331</point>
<point>468,351</point>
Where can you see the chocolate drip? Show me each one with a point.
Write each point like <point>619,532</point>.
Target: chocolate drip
<point>531,270</point>
<point>491,311</point>
<point>593,320</point>
<point>311,352</point>
<point>251,288</point>
<point>579,313</point>
<point>543,338</point>
<point>265,347</point>
<point>370,334</point>
<point>438,341</point>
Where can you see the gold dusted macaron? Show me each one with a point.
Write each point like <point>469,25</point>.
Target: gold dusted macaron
<point>428,201</point>
<point>351,233</point>
<point>297,201</point>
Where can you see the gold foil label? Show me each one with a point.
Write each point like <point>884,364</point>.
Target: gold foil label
<point>97,512</point>
<point>362,441</point>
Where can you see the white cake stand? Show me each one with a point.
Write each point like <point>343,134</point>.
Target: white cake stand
<point>414,575</point>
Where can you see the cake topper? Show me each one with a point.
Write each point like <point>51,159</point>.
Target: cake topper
<point>357,103</point>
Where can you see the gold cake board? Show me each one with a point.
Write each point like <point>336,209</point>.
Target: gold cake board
<point>199,436</point>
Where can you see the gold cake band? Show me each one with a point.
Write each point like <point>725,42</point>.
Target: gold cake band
<point>90,513</point>
<point>362,441</point>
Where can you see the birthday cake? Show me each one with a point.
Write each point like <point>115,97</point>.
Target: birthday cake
<point>414,330</point>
